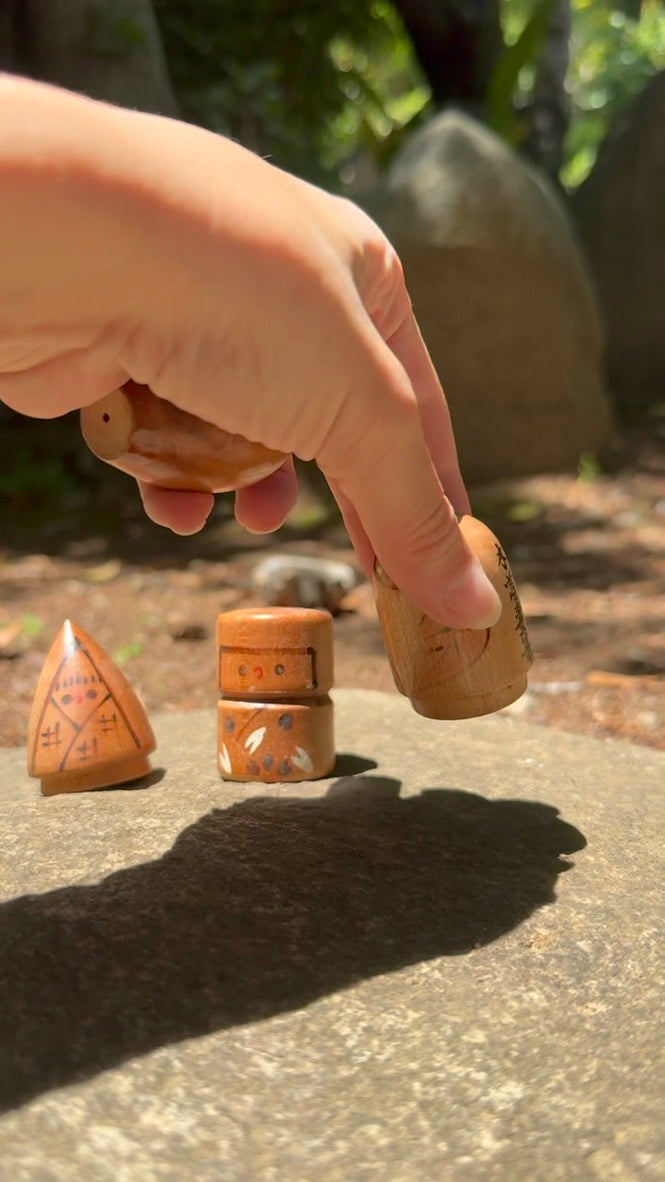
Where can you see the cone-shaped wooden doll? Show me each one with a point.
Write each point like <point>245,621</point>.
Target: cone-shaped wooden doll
<point>458,672</point>
<point>87,727</point>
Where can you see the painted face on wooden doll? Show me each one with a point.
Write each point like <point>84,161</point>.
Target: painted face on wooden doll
<point>278,671</point>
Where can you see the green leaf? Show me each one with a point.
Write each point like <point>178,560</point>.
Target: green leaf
<point>130,31</point>
<point>523,511</point>
<point>523,53</point>
<point>127,651</point>
<point>32,625</point>
<point>588,468</point>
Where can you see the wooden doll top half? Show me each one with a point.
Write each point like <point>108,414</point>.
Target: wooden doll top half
<point>275,652</point>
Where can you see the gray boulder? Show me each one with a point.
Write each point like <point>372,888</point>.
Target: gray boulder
<point>621,214</point>
<point>502,297</point>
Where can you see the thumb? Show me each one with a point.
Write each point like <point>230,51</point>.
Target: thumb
<point>392,498</point>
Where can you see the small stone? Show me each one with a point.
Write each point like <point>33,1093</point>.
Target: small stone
<point>296,580</point>
<point>648,720</point>
<point>189,632</point>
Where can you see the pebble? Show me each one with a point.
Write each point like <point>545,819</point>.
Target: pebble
<point>295,580</point>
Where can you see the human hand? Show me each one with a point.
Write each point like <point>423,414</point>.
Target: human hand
<point>147,249</point>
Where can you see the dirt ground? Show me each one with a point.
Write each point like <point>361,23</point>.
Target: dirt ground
<point>588,554</point>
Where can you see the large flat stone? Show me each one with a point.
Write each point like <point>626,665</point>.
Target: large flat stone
<point>448,965</point>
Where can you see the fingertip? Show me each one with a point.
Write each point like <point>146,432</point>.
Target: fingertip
<point>184,512</point>
<point>263,507</point>
<point>457,601</point>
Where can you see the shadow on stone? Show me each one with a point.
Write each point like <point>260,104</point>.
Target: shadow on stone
<point>347,764</point>
<point>259,909</point>
<point>151,780</point>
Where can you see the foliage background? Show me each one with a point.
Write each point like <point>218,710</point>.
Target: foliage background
<point>328,90</point>
<point>614,50</point>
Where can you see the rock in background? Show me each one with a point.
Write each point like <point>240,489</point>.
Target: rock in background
<point>501,293</point>
<point>296,580</point>
<point>621,214</point>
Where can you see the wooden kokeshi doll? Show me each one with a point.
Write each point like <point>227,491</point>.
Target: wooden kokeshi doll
<point>156,442</point>
<point>87,726</point>
<point>275,718</point>
<point>451,672</point>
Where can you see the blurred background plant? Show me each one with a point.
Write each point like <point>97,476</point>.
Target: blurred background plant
<point>330,90</point>
<point>308,84</point>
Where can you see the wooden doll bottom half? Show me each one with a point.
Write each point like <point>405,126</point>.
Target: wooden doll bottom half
<point>275,741</point>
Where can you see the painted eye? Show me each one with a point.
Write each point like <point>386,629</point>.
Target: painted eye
<point>66,699</point>
<point>242,669</point>
<point>91,694</point>
<point>279,669</point>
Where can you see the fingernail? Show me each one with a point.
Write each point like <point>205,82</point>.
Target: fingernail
<point>473,603</point>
